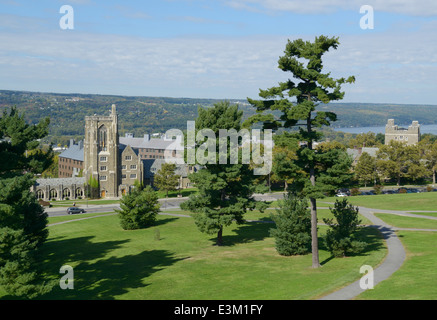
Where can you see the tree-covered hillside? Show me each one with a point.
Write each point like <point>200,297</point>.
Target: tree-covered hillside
<point>141,115</point>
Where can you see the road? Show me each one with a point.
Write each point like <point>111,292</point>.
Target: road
<point>166,204</point>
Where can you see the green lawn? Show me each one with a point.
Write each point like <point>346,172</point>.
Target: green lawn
<point>405,202</point>
<point>416,280</point>
<point>110,263</point>
<point>407,222</point>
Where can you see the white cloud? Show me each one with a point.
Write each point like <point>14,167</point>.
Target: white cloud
<point>389,67</point>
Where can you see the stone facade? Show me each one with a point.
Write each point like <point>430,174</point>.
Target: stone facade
<point>410,136</point>
<point>115,162</point>
<point>59,189</point>
<point>101,152</point>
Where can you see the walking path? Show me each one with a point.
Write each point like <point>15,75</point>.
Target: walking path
<point>394,259</point>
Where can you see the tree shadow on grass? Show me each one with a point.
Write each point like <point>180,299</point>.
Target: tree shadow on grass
<point>248,232</point>
<point>97,277</point>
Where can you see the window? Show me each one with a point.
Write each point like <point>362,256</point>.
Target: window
<point>128,158</point>
<point>103,159</point>
<point>133,176</point>
<point>103,168</point>
<point>102,178</point>
<point>102,139</point>
<point>123,176</point>
<point>123,167</point>
<point>133,167</point>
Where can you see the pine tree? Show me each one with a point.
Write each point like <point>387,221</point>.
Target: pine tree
<point>341,237</point>
<point>297,101</point>
<point>293,226</point>
<point>23,222</point>
<point>225,191</point>
<point>139,208</point>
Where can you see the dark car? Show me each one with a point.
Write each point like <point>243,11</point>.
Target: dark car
<point>73,210</point>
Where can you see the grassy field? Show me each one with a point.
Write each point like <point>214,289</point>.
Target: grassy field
<point>416,280</point>
<point>110,263</point>
<point>405,202</point>
<point>407,222</point>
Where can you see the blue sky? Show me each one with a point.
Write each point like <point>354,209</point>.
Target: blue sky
<point>215,48</point>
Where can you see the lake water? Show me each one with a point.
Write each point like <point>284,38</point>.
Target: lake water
<point>424,128</point>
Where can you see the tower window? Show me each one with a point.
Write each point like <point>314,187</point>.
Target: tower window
<point>103,139</point>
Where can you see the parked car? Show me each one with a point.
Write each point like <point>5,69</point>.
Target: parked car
<point>73,210</point>
<point>341,194</point>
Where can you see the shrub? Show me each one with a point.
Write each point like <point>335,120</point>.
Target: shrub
<point>355,191</point>
<point>341,239</point>
<point>293,226</point>
<point>378,189</point>
<point>138,209</point>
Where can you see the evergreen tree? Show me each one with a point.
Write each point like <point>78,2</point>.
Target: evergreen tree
<point>139,208</point>
<point>225,190</point>
<point>293,226</point>
<point>22,220</point>
<point>297,101</point>
<point>341,237</point>
<point>166,179</point>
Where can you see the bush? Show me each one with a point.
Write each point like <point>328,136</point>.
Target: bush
<point>378,189</point>
<point>341,239</point>
<point>138,209</point>
<point>293,226</point>
<point>355,191</point>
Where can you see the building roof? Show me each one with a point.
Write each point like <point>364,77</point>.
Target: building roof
<point>75,152</point>
<point>152,166</point>
<point>356,153</point>
<point>60,181</point>
<point>142,143</point>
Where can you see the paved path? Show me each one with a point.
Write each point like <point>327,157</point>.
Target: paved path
<point>394,259</point>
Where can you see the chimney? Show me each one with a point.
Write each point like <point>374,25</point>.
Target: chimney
<point>146,137</point>
<point>71,142</point>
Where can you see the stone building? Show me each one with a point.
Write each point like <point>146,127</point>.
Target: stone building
<point>115,162</point>
<point>410,135</point>
<point>101,152</point>
<point>118,162</point>
<point>59,188</point>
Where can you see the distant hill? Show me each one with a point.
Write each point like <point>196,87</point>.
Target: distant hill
<point>141,115</point>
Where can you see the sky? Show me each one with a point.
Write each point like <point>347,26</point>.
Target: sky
<point>221,49</point>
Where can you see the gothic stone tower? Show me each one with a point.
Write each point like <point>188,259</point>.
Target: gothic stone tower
<point>410,136</point>
<point>101,153</point>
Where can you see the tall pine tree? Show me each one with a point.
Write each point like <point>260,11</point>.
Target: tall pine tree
<point>297,102</point>
<point>225,189</point>
<point>22,220</point>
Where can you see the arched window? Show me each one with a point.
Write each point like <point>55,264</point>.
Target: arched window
<point>103,138</point>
